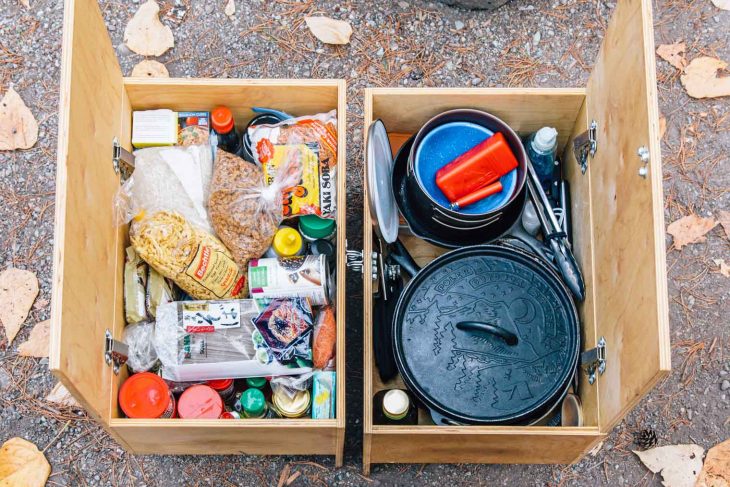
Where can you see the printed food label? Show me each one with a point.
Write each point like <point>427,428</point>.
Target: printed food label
<point>258,277</point>
<point>214,270</point>
<point>208,317</point>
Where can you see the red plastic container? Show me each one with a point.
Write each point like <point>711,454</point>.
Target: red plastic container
<point>145,395</point>
<point>477,195</point>
<point>200,402</point>
<point>224,387</point>
<point>476,168</point>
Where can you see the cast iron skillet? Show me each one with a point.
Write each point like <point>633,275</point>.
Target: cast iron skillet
<point>487,335</point>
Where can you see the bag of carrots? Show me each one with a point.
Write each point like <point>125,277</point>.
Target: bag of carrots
<point>325,339</point>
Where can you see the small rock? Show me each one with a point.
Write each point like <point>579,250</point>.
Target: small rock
<point>536,38</point>
<point>725,385</point>
<point>723,372</point>
<point>459,25</point>
<point>380,52</point>
<point>403,5</point>
<point>4,379</point>
<point>476,81</point>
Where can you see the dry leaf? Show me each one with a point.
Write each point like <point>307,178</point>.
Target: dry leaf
<point>329,31</point>
<point>679,464</point>
<point>230,8</point>
<point>722,4</point>
<point>662,127</point>
<point>701,79</point>
<point>716,470</point>
<point>150,68</point>
<point>690,229</point>
<point>25,3</point>
<point>18,290</point>
<point>18,126</point>
<point>38,341</point>
<point>60,395</point>
<point>724,268</point>
<point>145,34</point>
<point>724,220</point>
<point>672,53</point>
<point>22,464</point>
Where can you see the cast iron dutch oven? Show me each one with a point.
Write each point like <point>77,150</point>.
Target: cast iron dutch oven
<point>487,335</point>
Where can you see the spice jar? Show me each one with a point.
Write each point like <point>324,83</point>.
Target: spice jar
<point>200,402</point>
<point>292,407</point>
<point>313,227</point>
<point>224,388</point>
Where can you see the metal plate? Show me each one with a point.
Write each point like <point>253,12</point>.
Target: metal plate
<point>379,167</point>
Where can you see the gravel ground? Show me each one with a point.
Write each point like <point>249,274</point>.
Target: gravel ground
<point>403,43</point>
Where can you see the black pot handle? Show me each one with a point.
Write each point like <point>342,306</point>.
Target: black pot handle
<point>400,255</point>
<point>508,337</point>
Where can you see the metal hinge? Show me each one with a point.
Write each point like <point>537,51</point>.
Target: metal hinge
<point>594,360</point>
<point>356,261</point>
<point>120,154</point>
<point>585,145</point>
<point>115,352</point>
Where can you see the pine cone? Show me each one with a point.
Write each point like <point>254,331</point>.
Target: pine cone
<point>645,438</point>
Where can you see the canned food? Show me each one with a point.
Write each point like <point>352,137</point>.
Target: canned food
<point>291,277</point>
<point>145,395</point>
<point>224,388</point>
<point>200,402</point>
<point>292,407</point>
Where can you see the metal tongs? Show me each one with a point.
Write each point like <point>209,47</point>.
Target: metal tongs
<point>555,237</point>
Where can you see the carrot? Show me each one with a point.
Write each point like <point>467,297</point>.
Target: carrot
<point>325,337</point>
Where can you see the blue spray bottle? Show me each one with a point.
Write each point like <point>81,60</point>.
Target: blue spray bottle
<point>542,149</point>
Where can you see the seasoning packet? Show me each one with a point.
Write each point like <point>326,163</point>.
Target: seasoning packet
<point>135,282</point>
<point>193,128</point>
<point>160,290</point>
<point>286,327</point>
<point>323,395</point>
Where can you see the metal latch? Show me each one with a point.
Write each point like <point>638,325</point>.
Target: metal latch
<point>115,352</point>
<point>585,145</point>
<point>594,360</point>
<point>120,154</point>
<point>644,155</point>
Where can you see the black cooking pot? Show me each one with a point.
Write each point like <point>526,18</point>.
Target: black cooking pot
<point>458,226</point>
<point>487,335</point>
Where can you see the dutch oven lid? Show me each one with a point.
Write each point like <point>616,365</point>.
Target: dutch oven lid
<point>379,167</point>
<point>486,335</point>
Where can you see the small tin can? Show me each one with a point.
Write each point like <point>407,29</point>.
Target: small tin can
<point>200,402</point>
<point>292,407</point>
<point>145,395</point>
<point>224,388</point>
<point>230,415</point>
<point>291,277</point>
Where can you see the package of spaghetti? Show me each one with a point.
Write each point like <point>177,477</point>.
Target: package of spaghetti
<point>312,142</point>
<point>207,340</point>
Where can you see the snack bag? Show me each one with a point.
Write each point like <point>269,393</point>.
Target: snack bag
<point>286,327</point>
<point>325,338</point>
<point>312,141</point>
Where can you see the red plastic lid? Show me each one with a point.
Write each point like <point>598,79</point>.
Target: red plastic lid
<point>200,402</point>
<point>220,384</point>
<point>144,395</point>
<point>221,119</point>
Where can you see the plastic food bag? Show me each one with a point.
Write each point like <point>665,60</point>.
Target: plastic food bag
<point>135,281</point>
<point>207,340</point>
<point>160,290</point>
<point>286,327</point>
<point>246,212</point>
<point>312,141</point>
<point>139,339</point>
<point>292,384</point>
<point>325,339</point>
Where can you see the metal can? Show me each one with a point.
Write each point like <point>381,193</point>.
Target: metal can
<point>200,402</point>
<point>292,407</point>
<point>290,277</point>
<point>224,387</point>
<point>145,395</point>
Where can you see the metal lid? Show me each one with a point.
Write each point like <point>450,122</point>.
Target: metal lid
<point>487,335</point>
<point>292,407</point>
<point>379,167</point>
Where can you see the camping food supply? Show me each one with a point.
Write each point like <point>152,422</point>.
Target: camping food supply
<point>193,128</point>
<point>394,406</point>
<point>286,326</point>
<point>303,276</point>
<point>253,405</point>
<point>312,142</point>
<point>225,129</point>
<point>294,406</point>
<point>141,351</point>
<point>160,290</point>
<point>209,340</point>
<point>325,338</point>
<point>287,243</point>
<point>152,128</point>
<point>200,402</point>
<point>145,395</point>
<point>541,148</point>
<point>313,227</point>
<point>135,282</point>
<point>323,395</point>
<point>224,387</point>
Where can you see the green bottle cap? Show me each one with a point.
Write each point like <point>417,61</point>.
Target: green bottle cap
<point>257,382</point>
<point>315,227</point>
<point>253,403</point>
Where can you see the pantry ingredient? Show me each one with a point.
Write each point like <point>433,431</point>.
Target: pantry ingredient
<point>135,283</point>
<point>193,128</point>
<point>225,129</point>
<point>256,382</point>
<point>160,290</point>
<point>323,393</point>
<point>313,228</point>
<point>329,31</point>
<point>195,260</point>
<point>200,402</point>
<point>141,352</point>
<point>145,34</point>
<point>286,326</point>
<point>325,338</point>
<point>224,387</point>
<point>18,290</point>
<point>149,68</point>
<point>22,464</point>
<point>245,212</point>
<point>145,395</point>
<point>18,126</point>
<point>253,405</point>
<point>326,248</point>
<point>394,406</point>
<point>152,128</point>
<point>292,407</point>
<point>38,342</point>
<point>541,148</point>
<point>310,142</point>
<point>302,276</point>
<point>265,116</point>
<point>287,243</point>
<point>231,415</point>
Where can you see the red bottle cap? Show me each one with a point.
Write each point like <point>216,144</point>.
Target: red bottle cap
<point>220,384</point>
<point>144,395</point>
<point>200,402</point>
<point>221,119</point>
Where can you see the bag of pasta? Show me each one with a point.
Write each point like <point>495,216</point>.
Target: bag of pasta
<point>246,212</point>
<point>312,140</point>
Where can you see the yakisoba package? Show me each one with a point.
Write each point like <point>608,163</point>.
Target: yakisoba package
<point>312,141</point>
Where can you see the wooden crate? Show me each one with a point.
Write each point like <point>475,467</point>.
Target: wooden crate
<point>96,107</point>
<point>618,226</point>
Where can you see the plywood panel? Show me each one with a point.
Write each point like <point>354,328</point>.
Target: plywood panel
<point>628,215</point>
